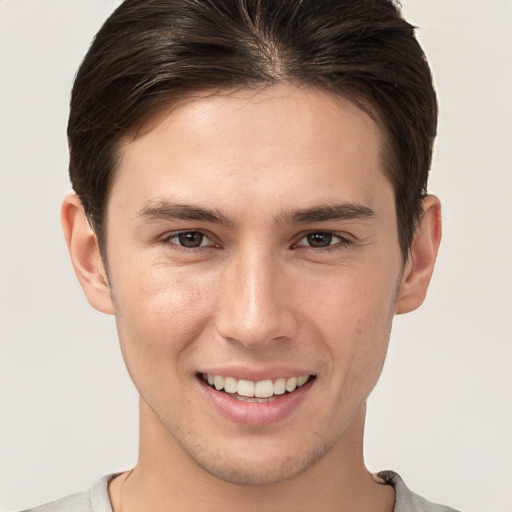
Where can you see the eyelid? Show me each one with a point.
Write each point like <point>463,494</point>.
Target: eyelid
<point>344,239</point>
<point>169,236</point>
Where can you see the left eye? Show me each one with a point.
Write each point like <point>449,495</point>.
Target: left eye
<point>320,239</point>
<point>190,239</point>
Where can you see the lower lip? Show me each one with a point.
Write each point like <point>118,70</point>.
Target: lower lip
<point>255,414</point>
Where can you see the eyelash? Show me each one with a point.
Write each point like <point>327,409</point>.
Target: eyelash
<point>342,243</point>
<point>172,239</point>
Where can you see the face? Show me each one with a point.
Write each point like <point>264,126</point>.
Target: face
<point>254,263</point>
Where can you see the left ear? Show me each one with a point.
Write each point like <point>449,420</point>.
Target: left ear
<point>422,257</point>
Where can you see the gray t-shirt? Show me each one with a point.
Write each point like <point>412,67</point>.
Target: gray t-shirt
<point>97,499</point>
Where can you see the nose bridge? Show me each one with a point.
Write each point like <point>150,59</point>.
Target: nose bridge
<point>254,309</point>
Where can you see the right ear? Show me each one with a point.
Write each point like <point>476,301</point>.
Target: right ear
<point>85,254</point>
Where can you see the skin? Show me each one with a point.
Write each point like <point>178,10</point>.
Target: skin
<point>255,296</point>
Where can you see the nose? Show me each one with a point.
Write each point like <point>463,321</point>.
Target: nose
<point>256,304</point>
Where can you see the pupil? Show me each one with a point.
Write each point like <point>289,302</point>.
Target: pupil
<point>191,239</point>
<point>319,239</point>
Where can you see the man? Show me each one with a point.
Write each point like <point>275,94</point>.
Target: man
<point>251,205</point>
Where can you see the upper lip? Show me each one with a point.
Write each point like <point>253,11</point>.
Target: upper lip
<point>257,374</point>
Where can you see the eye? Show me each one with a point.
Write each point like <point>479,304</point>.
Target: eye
<point>189,239</point>
<point>320,240</point>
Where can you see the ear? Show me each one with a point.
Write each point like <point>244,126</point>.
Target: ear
<point>422,257</point>
<point>85,254</point>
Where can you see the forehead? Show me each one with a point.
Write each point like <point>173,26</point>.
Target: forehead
<point>282,142</point>
<point>313,111</point>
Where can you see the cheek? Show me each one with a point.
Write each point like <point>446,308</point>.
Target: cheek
<point>353,317</point>
<point>159,313</point>
<point>349,300</point>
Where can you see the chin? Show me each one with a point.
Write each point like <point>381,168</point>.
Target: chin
<point>248,475</point>
<point>250,469</point>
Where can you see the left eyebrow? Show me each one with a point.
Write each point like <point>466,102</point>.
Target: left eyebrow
<point>343,211</point>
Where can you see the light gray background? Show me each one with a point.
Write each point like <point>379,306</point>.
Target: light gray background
<point>441,414</point>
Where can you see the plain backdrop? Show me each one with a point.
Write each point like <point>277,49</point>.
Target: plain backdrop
<point>441,415</point>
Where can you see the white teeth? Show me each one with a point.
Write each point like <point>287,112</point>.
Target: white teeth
<point>245,388</point>
<point>302,380</point>
<point>230,385</point>
<point>219,382</point>
<point>262,390</point>
<point>291,384</point>
<point>279,386</point>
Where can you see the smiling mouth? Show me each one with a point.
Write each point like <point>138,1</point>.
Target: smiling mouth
<point>256,391</point>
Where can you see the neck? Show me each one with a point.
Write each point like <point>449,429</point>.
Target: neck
<point>165,477</point>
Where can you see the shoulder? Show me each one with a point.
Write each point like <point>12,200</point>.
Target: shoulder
<point>94,500</point>
<point>78,502</point>
<point>406,500</point>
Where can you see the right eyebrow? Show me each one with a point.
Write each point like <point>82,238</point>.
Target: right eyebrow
<point>165,210</point>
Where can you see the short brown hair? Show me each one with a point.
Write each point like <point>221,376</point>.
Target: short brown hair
<point>150,53</point>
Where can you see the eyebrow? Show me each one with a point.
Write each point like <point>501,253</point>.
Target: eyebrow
<point>165,210</point>
<point>343,211</point>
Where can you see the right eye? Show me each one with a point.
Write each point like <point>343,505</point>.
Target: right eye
<point>318,239</point>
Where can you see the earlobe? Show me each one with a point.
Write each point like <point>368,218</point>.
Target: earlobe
<point>85,254</point>
<point>422,257</point>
